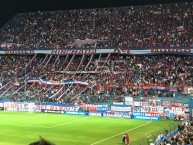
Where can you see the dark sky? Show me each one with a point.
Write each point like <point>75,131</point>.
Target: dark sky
<point>9,7</point>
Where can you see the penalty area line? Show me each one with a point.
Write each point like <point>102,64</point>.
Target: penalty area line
<point>119,133</point>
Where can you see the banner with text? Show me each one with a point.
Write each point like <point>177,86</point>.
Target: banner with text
<point>92,50</point>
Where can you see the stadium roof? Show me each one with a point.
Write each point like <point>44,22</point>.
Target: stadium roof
<point>9,8</point>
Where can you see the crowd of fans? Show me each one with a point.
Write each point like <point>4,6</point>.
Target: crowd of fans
<point>107,75</point>
<point>110,76</point>
<point>134,26</point>
<point>183,137</point>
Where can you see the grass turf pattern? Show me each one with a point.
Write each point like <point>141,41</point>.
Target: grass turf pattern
<point>18,128</point>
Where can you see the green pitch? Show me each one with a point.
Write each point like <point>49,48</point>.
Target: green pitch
<point>18,128</point>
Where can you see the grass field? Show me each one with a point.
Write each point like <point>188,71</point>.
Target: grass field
<point>18,128</point>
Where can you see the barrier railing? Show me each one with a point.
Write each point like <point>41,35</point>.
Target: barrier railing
<point>92,99</point>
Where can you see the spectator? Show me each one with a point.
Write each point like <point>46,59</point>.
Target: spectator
<point>42,141</point>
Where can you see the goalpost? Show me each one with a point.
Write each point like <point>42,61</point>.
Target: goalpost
<point>19,107</point>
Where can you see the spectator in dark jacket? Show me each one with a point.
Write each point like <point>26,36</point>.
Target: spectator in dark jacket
<point>42,141</point>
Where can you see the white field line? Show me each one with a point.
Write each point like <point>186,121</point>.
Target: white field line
<point>38,116</point>
<point>35,117</point>
<point>68,122</point>
<point>35,126</point>
<point>119,133</point>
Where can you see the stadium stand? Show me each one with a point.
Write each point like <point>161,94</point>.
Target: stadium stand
<point>170,71</point>
<point>96,78</point>
<point>149,26</point>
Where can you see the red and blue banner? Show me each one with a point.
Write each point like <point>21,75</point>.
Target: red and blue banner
<point>57,83</point>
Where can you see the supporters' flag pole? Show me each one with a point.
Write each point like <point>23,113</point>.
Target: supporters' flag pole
<point>64,92</point>
<point>57,92</point>
<point>106,59</point>
<point>5,91</point>
<point>18,89</point>
<point>71,91</point>
<point>4,86</point>
<point>81,62</point>
<point>31,86</point>
<point>70,62</point>
<point>32,59</point>
<point>89,61</point>
<point>46,63</point>
<point>80,93</point>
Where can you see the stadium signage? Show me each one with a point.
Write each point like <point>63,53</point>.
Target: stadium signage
<point>97,50</point>
<point>149,114</point>
<point>147,117</point>
<point>95,114</point>
<point>116,115</point>
<point>19,106</point>
<point>95,108</point>
<point>76,51</point>
<point>166,103</point>
<point>139,113</point>
<point>52,111</point>
<point>19,52</point>
<point>155,114</point>
<point>171,50</point>
<point>121,108</point>
<point>76,113</point>
<point>58,108</point>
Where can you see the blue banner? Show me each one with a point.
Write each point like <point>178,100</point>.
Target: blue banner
<point>139,113</point>
<point>147,117</point>
<point>112,114</point>
<point>56,83</point>
<point>76,113</point>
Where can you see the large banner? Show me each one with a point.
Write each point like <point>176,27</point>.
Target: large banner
<point>120,108</point>
<point>19,106</point>
<point>55,107</point>
<point>56,83</point>
<point>147,117</point>
<point>112,114</point>
<point>76,113</point>
<point>87,51</point>
<point>104,110</point>
<point>95,107</point>
<point>154,109</point>
<point>128,100</point>
<point>51,108</point>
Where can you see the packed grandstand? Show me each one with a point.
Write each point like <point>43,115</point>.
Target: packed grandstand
<point>107,55</point>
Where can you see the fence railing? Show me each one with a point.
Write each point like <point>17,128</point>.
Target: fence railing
<point>92,99</point>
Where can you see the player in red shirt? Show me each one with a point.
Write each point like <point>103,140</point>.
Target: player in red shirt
<point>127,139</point>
